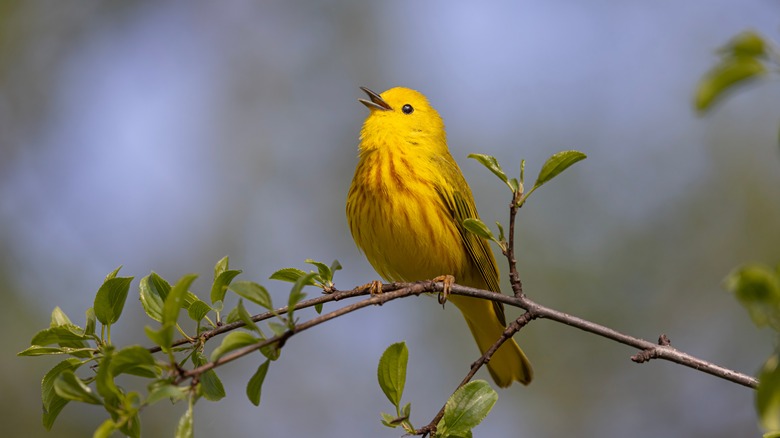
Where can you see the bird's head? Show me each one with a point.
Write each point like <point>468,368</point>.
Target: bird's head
<point>401,118</point>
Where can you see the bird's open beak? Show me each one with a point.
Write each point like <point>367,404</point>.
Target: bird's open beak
<point>376,101</point>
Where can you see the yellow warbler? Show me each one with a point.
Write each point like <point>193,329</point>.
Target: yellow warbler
<point>406,208</point>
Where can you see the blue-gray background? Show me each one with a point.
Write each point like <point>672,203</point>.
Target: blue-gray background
<point>165,135</point>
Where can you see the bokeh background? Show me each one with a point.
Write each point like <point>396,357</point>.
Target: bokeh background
<point>164,135</point>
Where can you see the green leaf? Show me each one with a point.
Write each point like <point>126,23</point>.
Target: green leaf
<point>53,403</point>
<point>61,334</point>
<point>500,231</point>
<point>391,372</point>
<point>189,299</point>
<point>244,316</point>
<point>467,407</point>
<point>479,228</point>
<point>70,387</point>
<point>135,360</point>
<point>556,164</point>
<point>58,318</point>
<point>185,428</point>
<point>105,381</point>
<point>318,308</point>
<point>210,385</point>
<point>325,273</point>
<point>271,352</point>
<point>175,299</point>
<point>220,285</point>
<point>492,164</point>
<point>160,285</point>
<point>522,173</point>
<point>233,316</point>
<point>162,337</point>
<point>255,385</point>
<point>290,275</point>
<point>198,310</point>
<point>68,336</point>
<point>768,394</point>
<point>221,266</point>
<point>131,426</point>
<point>233,341</point>
<point>37,350</point>
<point>323,269</point>
<point>389,420</point>
<point>153,293</point>
<point>296,295</point>
<point>112,274</point>
<point>106,429</point>
<point>278,329</point>
<point>406,410</point>
<point>747,43</point>
<point>757,288</point>
<point>164,390</point>
<point>730,72</point>
<point>110,299</point>
<point>252,292</point>
<point>89,330</point>
<point>398,420</point>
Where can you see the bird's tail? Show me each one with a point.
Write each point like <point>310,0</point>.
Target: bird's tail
<point>508,363</point>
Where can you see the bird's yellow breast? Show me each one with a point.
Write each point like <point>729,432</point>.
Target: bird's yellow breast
<point>398,218</point>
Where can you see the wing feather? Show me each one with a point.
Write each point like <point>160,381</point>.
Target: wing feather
<point>461,207</point>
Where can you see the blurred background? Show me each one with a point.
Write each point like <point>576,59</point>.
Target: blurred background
<point>164,135</point>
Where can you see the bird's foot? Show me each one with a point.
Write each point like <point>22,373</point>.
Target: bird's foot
<point>374,288</point>
<point>447,281</point>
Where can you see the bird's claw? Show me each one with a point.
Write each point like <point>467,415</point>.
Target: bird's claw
<point>447,281</point>
<point>374,288</point>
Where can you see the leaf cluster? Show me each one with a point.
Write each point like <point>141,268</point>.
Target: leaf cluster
<point>93,364</point>
<point>553,167</point>
<point>757,288</point>
<point>464,410</point>
<point>745,58</point>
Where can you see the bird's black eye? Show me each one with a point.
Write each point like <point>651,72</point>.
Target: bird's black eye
<point>407,109</point>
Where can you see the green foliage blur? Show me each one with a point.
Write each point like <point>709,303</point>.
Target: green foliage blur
<point>756,286</point>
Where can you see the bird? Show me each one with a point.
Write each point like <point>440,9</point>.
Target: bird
<point>405,208</point>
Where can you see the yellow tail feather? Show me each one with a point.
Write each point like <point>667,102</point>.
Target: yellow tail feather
<point>509,363</point>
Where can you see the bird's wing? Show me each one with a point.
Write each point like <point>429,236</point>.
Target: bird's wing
<point>461,207</point>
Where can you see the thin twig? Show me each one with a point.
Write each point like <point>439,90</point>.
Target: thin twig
<point>509,252</point>
<point>378,299</point>
<point>510,331</point>
<point>336,295</point>
<point>662,351</point>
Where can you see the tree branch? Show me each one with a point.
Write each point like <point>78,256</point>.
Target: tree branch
<point>335,295</point>
<point>393,291</point>
<point>661,351</point>
<point>389,292</point>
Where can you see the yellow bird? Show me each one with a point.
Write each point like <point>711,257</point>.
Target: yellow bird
<point>406,208</point>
